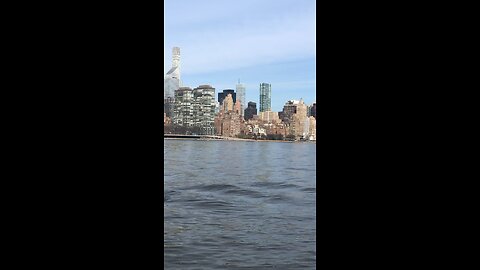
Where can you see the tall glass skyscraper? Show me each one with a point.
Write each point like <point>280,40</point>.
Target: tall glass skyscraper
<point>241,97</point>
<point>265,97</point>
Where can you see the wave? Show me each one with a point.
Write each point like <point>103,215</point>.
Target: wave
<point>228,189</point>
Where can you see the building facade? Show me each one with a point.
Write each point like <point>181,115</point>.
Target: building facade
<point>171,83</point>
<point>172,78</point>
<point>168,106</point>
<point>229,121</point>
<point>227,104</point>
<point>183,110</point>
<point>265,97</point>
<point>195,108</point>
<point>250,111</point>
<point>289,109</point>
<point>313,111</point>
<point>298,124</point>
<point>225,93</point>
<point>228,124</point>
<point>204,109</point>
<point>241,97</point>
<point>269,117</point>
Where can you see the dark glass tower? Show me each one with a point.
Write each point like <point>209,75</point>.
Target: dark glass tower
<point>251,110</point>
<point>265,97</point>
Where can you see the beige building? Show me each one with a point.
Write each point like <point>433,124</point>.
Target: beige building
<point>269,117</point>
<point>166,119</point>
<point>297,126</point>
<point>312,133</point>
<point>227,104</point>
<point>237,108</point>
<point>277,128</point>
<point>229,122</point>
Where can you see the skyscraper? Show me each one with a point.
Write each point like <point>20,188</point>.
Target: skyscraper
<point>176,62</point>
<point>265,97</point>
<point>172,78</point>
<point>241,97</point>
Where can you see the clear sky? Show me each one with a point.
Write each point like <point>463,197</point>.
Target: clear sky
<point>256,41</point>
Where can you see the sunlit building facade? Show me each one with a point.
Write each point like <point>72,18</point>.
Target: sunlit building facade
<point>171,82</point>
<point>241,97</point>
<point>195,108</point>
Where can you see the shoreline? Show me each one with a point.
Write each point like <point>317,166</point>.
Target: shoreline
<point>238,139</point>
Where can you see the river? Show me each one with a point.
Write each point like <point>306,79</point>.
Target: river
<point>239,205</point>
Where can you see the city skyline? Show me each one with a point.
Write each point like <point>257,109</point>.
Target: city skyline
<point>224,41</point>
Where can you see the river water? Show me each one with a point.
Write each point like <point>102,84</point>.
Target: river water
<point>239,205</point>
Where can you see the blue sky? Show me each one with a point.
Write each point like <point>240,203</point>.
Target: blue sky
<point>256,41</point>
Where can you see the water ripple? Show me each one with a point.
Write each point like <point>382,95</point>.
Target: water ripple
<point>255,213</point>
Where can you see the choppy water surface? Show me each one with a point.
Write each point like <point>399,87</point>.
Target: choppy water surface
<point>239,205</point>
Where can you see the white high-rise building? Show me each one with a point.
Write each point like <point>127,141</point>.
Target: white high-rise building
<point>172,78</point>
<point>241,97</point>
